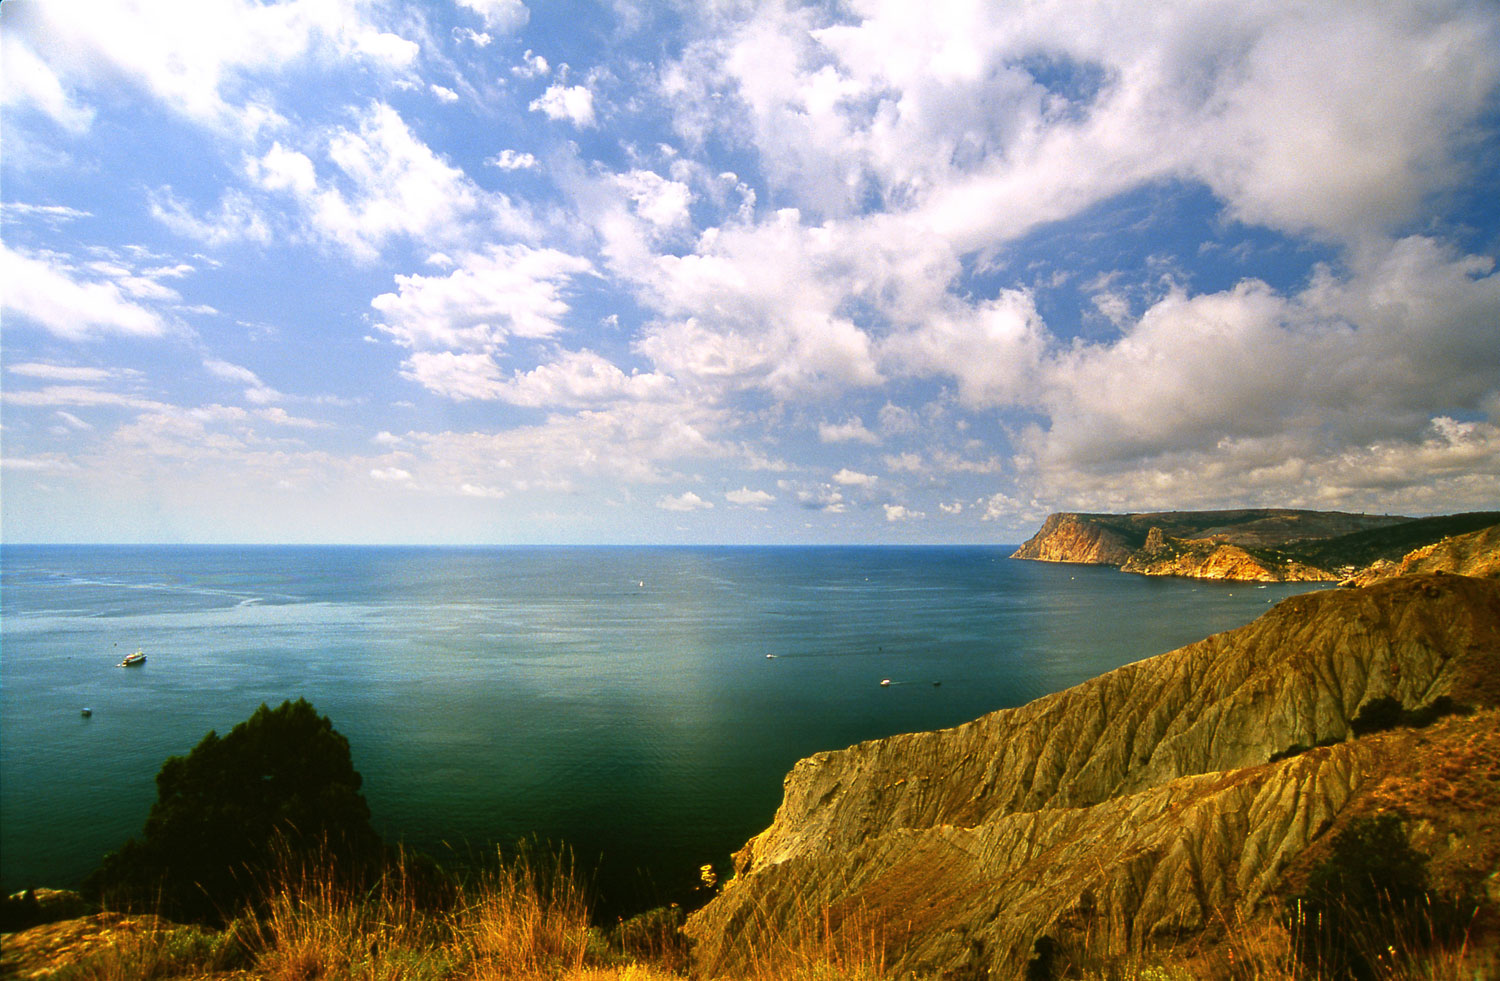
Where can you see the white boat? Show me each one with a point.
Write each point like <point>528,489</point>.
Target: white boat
<point>131,660</point>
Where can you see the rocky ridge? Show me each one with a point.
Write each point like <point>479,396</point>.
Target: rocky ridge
<point>1474,554</point>
<point>1143,807</point>
<point>1268,545</point>
<point>1207,558</point>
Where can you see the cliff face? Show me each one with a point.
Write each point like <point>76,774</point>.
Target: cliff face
<point>1137,807</point>
<point>1075,538</point>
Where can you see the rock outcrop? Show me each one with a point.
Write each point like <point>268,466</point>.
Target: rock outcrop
<point>1136,809</point>
<point>1076,538</point>
<point>1475,554</point>
<point>1207,558</point>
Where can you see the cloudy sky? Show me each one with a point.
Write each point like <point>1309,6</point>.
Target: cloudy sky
<point>707,271</point>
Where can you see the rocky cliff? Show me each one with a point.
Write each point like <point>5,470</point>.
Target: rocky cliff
<point>1207,558</point>
<point>1142,807</point>
<point>1078,538</point>
<point>1235,545</point>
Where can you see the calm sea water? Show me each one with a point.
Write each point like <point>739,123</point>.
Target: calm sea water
<point>618,699</point>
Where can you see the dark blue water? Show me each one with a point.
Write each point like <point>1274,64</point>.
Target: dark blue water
<point>619,699</point>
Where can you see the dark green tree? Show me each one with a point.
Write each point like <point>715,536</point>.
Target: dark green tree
<point>278,791</point>
<point>1369,895</point>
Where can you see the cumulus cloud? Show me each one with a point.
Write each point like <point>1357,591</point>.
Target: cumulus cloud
<point>458,376</point>
<point>747,498</point>
<point>506,16</point>
<point>511,160</point>
<point>573,103</point>
<point>385,183</point>
<point>687,501</point>
<point>900,512</point>
<point>195,58</point>
<point>494,294</point>
<point>853,478</point>
<point>851,430</point>
<point>581,378</point>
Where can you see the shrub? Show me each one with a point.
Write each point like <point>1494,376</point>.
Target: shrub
<point>1370,893</point>
<point>279,788</point>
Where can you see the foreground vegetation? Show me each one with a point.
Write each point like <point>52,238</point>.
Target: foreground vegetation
<point>258,863</point>
<point>526,919</point>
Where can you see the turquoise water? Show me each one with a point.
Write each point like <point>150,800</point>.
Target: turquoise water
<point>619,699</point>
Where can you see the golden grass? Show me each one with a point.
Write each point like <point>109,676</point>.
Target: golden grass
<point>528,920</point>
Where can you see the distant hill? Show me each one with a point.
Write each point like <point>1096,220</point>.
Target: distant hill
<point>1267,545</point>
<point>1362,548</point>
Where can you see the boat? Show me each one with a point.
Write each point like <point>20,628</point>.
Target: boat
<point>131,660</point>
<point>885,682</point>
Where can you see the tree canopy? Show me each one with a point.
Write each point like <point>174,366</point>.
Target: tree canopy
<point>279,789</point>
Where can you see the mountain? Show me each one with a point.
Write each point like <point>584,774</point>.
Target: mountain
<point>1266,545</point>
<point>1150,806</point>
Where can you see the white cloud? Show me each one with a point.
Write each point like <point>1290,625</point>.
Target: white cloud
<point>443,93</point>
<point>479,39</point>
<point>853,478</point>
<point>477,490</point>
<point>456,376</point>
<point>60,372</point>
<point>747,498</point>
<point>495,294</point>
<point>992,349</point>
<point>820,497</point>
<point>532,65</point>
<point>1407,335</point>
<point>391,474</point>
<point>73,422</point>
<point>574,103</point>
<point>505,16</point>
<point>512,160</point>
<point>900,512</point>
<point>851,430</point>
<point>687,501</point>
<point>236,219</point>
<point>580,378</point>
<point>388,183</point>
<point>390,49</point>
<point>198,58</point>
<point>660,202</point>
<point>256,391</point>
<point>49,293</point>
<point>29,81</point>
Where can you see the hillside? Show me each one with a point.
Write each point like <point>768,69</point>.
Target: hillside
<point>1150,805</point>
<point>1249,545</point>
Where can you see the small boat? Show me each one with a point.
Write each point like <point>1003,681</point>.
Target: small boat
<point>885,682</point>
<point>770,657</point>
<point>86,712</point>
<point>131,660</point>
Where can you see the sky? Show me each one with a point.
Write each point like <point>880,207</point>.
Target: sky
<point>872,271</point>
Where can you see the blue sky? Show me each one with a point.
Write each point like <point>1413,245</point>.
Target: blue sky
<point>487,271</point>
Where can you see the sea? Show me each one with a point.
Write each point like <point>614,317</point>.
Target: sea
<point>639,706</point>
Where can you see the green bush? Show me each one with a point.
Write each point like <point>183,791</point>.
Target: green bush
<point>280,789</point>
<point>1368,900</point>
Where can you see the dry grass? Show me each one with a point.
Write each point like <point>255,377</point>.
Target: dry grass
<point>527,920</point>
